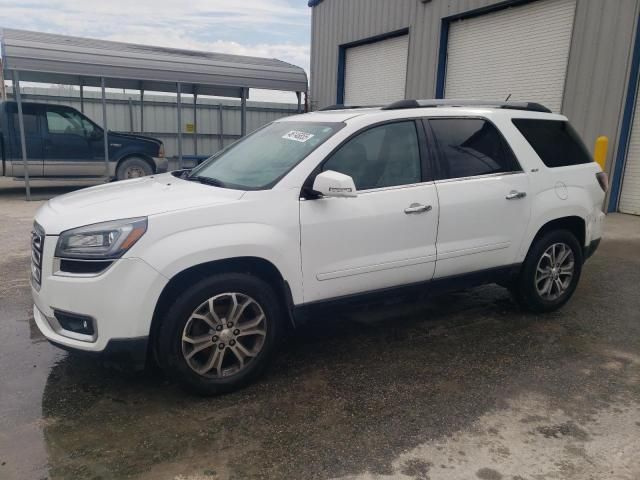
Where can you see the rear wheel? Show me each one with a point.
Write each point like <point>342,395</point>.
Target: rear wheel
<point>550,272</point>
<point>220,334</point>
<point>133,167</point>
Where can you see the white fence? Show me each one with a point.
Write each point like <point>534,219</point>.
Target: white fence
<point>218,120</point>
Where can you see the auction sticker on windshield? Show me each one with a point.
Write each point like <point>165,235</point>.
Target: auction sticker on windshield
<point>297,136</point>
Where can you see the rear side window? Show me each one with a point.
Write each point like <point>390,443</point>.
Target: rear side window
<point>30,119</point>
<point>555,141</point>
<point>470,147</point>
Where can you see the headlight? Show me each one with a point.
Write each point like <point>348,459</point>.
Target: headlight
<point>107,240</point>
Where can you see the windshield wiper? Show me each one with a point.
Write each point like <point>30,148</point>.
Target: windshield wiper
<point>206,180</point>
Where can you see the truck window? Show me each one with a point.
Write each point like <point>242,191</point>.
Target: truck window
<point>61,121</point>
<point>555,141</point>
<point>30,119</point>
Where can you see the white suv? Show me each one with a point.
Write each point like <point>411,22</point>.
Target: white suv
<point>204,270</point>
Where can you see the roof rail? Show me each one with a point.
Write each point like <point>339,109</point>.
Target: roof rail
<point>529,106</point>
<point>341,106</point>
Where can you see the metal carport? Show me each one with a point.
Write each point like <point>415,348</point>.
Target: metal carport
<point>50,58</point>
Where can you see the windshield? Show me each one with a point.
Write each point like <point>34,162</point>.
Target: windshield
<point>264,157</point>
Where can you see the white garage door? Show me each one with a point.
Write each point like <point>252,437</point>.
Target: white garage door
<point>520,51</point>
<point>376,73</point>
<point>630,196</point>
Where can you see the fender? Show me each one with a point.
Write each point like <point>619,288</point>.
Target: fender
<point>184,249</point>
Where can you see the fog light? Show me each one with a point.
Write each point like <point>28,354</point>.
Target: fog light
<point>74,322</point>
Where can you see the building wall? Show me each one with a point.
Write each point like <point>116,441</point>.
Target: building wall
<point>598,68</point>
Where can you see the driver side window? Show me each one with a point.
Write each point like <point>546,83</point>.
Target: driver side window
<point>60,121</point>
<point>384,156</point>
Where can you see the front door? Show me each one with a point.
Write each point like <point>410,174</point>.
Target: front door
<point>484,206</point>
<point>384,237</point>
<point>68,144</point>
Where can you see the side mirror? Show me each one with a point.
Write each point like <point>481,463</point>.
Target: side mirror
<point>334,184</point>
<point>93,135</point>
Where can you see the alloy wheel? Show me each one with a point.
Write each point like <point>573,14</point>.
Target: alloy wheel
<point>224,335</point>
<point>554,271</point>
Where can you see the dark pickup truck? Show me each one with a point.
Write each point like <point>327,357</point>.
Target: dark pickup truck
<point>62,142</point>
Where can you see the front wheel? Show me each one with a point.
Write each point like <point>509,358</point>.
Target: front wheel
<point>550,272</point>
<point>133,167</point>
<point>220,334</point>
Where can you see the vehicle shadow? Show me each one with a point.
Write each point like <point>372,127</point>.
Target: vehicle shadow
<point>345,395</point>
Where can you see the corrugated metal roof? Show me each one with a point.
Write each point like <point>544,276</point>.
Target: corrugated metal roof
<point>51,58</point>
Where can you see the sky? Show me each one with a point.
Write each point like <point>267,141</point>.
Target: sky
<point>263,28</point>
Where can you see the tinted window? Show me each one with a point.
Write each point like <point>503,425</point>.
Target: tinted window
<point>471,147</point>
<point>30,119</point>
<point>382,156</point>
<point>555,141</point>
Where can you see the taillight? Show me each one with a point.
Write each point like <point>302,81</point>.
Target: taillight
<point>603,180</point>
<point>161,152</point>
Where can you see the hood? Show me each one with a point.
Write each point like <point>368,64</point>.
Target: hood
<point>138,197</point>
<point>132,136</point>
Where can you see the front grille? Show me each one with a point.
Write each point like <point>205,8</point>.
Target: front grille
<point>37,247</point>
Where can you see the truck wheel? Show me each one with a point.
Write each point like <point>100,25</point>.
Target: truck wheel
<point>133,167</point>
<point>550,272</point>
<point>220,334</point>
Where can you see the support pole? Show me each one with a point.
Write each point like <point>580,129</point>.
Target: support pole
<point>23,143</point>
<point>131,126</point>
<point>3,87</point>
<point>141,110</point>
<point>243,112</point>
<point>220,128</point>
<point>179,91</point>
<point>82,98</point>
<point>105,132</point>
<point>299,95</point>
<point>195,120</point>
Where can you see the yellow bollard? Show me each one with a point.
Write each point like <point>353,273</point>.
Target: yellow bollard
<point>600,151</point>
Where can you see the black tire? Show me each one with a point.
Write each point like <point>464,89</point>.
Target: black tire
<point>524,288</point>
<point>169,341</point>
<point>133,167</point>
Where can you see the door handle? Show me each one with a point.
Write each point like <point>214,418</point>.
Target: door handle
<point>417,208</point>
<point>514,195</point>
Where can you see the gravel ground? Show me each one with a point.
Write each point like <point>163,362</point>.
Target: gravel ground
<point>463,386</point>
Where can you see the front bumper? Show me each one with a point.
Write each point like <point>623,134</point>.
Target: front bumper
<point>161,164</point>
<point>121,302</point>
<point>131,352</point>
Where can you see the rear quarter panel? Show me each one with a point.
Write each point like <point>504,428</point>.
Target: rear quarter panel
<point>555,192</point>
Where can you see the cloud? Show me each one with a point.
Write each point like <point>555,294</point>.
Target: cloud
<point>266,28</point>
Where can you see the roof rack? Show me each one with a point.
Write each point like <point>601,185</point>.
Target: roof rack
<point>529,106</point>
<point>341,106</point>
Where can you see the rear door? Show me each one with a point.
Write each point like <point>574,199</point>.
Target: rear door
<point>68,141</point>
<point>32,136</point>
<point>384,237</point>
<point>483,193</point>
